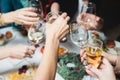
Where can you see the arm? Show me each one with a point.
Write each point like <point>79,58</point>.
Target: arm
<point>104,72</point>
<point>25,16</point>
<point>47,67</point>
<point>54,32</point>
<point>18,51</point>
<point>4,53</point>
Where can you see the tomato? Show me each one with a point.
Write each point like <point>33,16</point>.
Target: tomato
<point>42,49</point>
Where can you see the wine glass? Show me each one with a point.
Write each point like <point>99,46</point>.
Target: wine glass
<point>93,53</point>
<point>36,32</point>
<point>78,35</point>
<point>88,20</point>
<point>51,17</point>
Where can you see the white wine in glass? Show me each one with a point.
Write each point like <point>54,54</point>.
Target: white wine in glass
<point>36,31</point>
<point>35,36</point>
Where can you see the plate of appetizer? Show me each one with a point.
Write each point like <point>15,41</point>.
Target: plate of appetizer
<point>6,36</point>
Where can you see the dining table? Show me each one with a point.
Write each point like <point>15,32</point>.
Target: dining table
<point>10,64</point>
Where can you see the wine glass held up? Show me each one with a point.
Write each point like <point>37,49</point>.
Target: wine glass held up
<point>93,52</point>
<point>36,32</point>
<point>88,20</point>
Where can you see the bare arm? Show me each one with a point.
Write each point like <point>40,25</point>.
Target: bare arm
<point>18,51</point>
<point>24,16</point>
<point>4,53</point>
<point>54,32</point>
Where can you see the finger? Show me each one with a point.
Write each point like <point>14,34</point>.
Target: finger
<point>82,52</point>
<point>89,72</point>
<point>32,14</point>
<point>64,28</point>
<point>64,15</point>
<point>95,70</point>
<point>27,22</point>
<point>63,35</point>
<point>29,9</point>
<point>67,18</point>
<point>32,48</point>
<point>29,19</point>
<point>28,55</point>
<point>83,58</point>
<point>97,19</point>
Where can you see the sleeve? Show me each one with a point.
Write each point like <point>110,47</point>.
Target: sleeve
<point>117,66</point>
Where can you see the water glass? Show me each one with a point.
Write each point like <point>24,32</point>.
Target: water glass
<point>78,35</point>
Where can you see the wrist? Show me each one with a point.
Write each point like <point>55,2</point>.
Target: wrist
<point>8,18</point>
<point>52,40</point>
<point>4,53</point>
<point>52,43</point>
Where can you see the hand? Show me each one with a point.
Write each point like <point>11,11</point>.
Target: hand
<point>83,54</point>
<point>58,28</point>
<point>21,51</point>
<point>25,16</point>
<point>111,57</point>
<point>105,71</point>
<point>95,21</point>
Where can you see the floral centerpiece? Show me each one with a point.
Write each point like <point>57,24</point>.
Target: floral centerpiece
<point>70,67</point>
